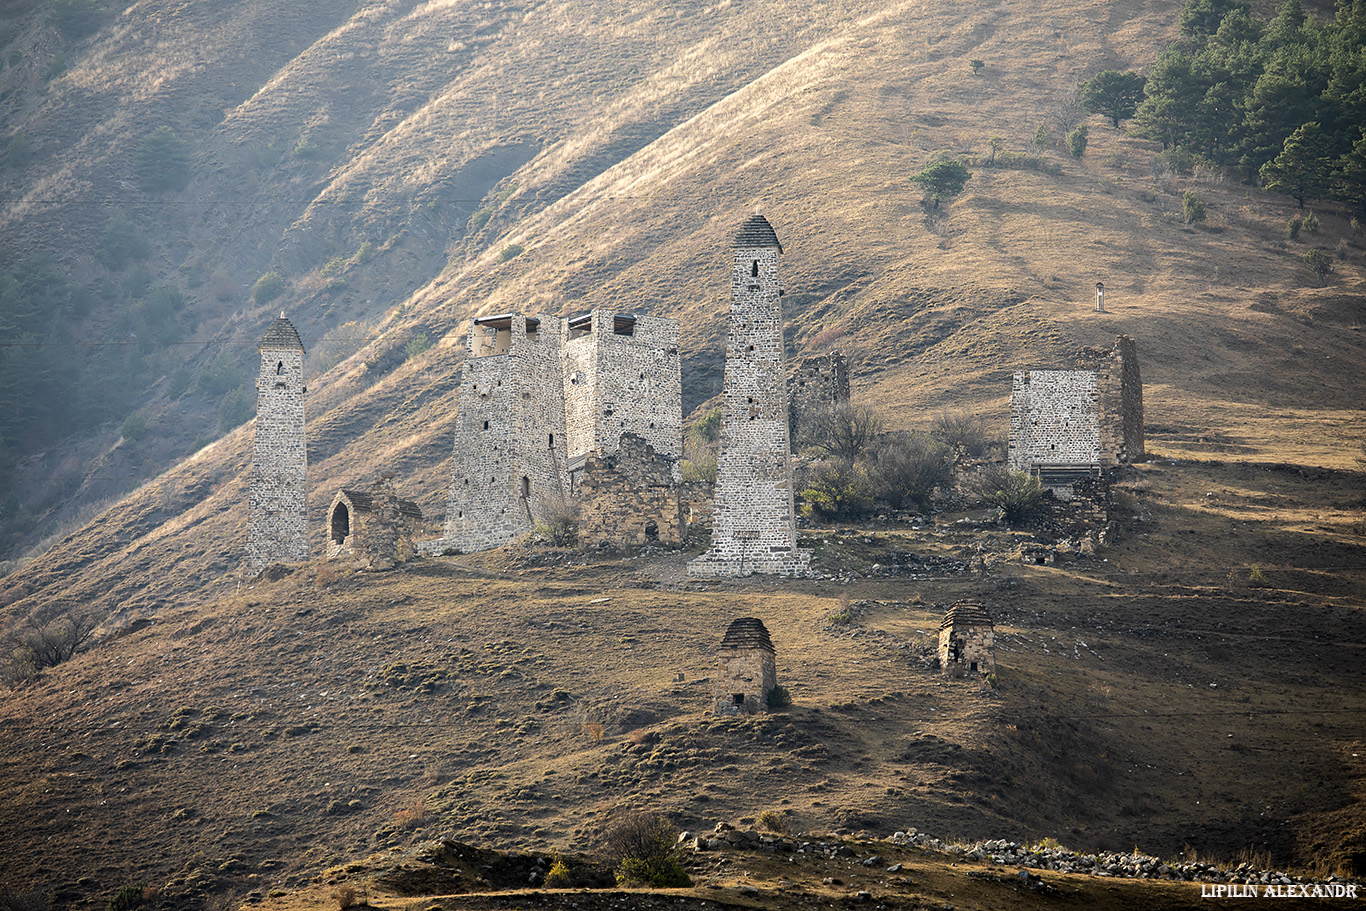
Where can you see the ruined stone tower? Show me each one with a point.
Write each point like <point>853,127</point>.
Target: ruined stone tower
<point>754,526</point>
<point>509,459</point>
<point>1067,424</point>
<point>277,529</point>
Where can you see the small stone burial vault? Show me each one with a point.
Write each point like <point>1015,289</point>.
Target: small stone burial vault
<point>967,640</point>
<point>375,528</point>
<point>745,669</point>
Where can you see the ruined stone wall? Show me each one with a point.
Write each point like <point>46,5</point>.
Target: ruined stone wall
<point>1121,400</point>
<point>381,528</point>
<point>277,521</point>
<point>505,470</point>
<point>1084,511</point>
<point>1054,418</point>
<point>974,645</point>
<point>816,385</point>
<point>618,383</point>
<point>629,500</point>
<point>749,673</point>
<point>754,522</point>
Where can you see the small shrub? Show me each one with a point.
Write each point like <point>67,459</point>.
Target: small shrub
<point>162,161</point>
<point>1320,263</point>
<point>560,876</point>
<point>1292,228</point>
<point>1311,223</point>
<point>412,815</point>
<point>773,821</point>
<point>559,527</point>
<point>1076,141</point>
<point>417,345</point>
<point>1018,496</point>
<point>128,898</point>
<point>838,489</point>
<point>707,427</point>
<point>1042,138</point>
<point>1255,575</point>
<point>643,847</point>
<point>134,427</point>
<point>962,431</point>
<point>1192,208</point>
<point>908,467</point>
<point>977,66</point>
<point>345,897</point>
<point>268,287</point>
<point>23,901</point>
<point>779,698</point>
<point>699,464</point>
<point>595,730</point>
<point>511,251</point>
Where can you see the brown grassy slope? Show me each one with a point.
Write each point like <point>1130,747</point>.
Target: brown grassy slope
<point>1159,696</point>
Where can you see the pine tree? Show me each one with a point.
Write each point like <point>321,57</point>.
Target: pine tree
<point>1304,168</point>
<point>1112,93</point>
<point>1350,177</point>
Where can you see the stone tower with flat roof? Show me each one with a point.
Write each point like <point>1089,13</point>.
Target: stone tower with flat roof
<point>754,526</point>
<point>277,528</point>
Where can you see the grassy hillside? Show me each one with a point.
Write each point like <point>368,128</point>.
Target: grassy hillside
<point>1195,684</point>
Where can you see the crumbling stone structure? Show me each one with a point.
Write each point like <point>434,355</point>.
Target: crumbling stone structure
<point>629,500</point>
<point>817,384</point>
<point>754,526</point>
<point>538,395</point>
<point>277,529</point>
<point>745,669</point>
<point>967,640</point>
<point>374,528</point>
<point>1068,424</point>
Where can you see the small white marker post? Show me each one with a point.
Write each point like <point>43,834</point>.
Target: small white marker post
<point>1100,297</point>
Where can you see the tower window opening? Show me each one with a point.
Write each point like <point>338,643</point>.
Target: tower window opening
<point>280,368</point>
<point>486,425</point>
<point>754,269</point>
<point>552,441</point>
<point>526,487</point>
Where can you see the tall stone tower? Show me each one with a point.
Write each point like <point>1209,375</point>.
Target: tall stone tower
<point>277,530</point>
<point>754,526</point>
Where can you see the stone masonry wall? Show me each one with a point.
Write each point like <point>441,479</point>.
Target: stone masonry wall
<point>1054,418</point>
<point>633,384</point>
<point>277,526</point>
<point>747,672</point>
<point>629,500</point>
<point>381,527</point>
<point>505,470</point>
<point>817,384</point>
<point>975,644</point>
<point>754,523</point>
<point>1121,399</point>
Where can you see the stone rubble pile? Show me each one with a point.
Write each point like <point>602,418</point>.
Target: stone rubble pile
<point>1008,853</point>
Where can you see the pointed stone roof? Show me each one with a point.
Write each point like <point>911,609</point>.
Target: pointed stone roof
<point>966,613</point>
<point>747,632</point>
<point>757,232</point>
<point>281,334</point>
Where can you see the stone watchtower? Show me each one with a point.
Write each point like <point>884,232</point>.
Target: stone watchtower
<point>754,526</point>
<point>277,529</point>
<point>745,669</point>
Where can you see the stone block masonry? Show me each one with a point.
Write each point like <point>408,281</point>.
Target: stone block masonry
<point>629,500</point>
<point>817,384</point>
<point>277,519</point>
<point>746,669</point>
<point>967,640</point>
<point>1063,422</point>
<point>373,528</point>
<point>754,525</point>
<point>540,395</point>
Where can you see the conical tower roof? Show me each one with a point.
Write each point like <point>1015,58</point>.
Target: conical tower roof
<point>281,334</point>
<point>757,232</point>
<point>747,632</point>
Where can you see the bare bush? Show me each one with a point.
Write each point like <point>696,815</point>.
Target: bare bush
<point>1017,495</point>
<point>843,431</point>
<point>908,467</point>
<point>837,489</point>
<point>559,527</point>
<point>962,431</point>
<point>43,639</point>
<point>643,847</point>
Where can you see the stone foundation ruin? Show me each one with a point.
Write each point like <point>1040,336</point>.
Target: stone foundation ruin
<point>745,669</point>
<point>629,500</point>
<point>967,640</point>
<point>1066,425</point>
<point>277,518</point>
<point>374,528</point>
<point>816,385</point>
